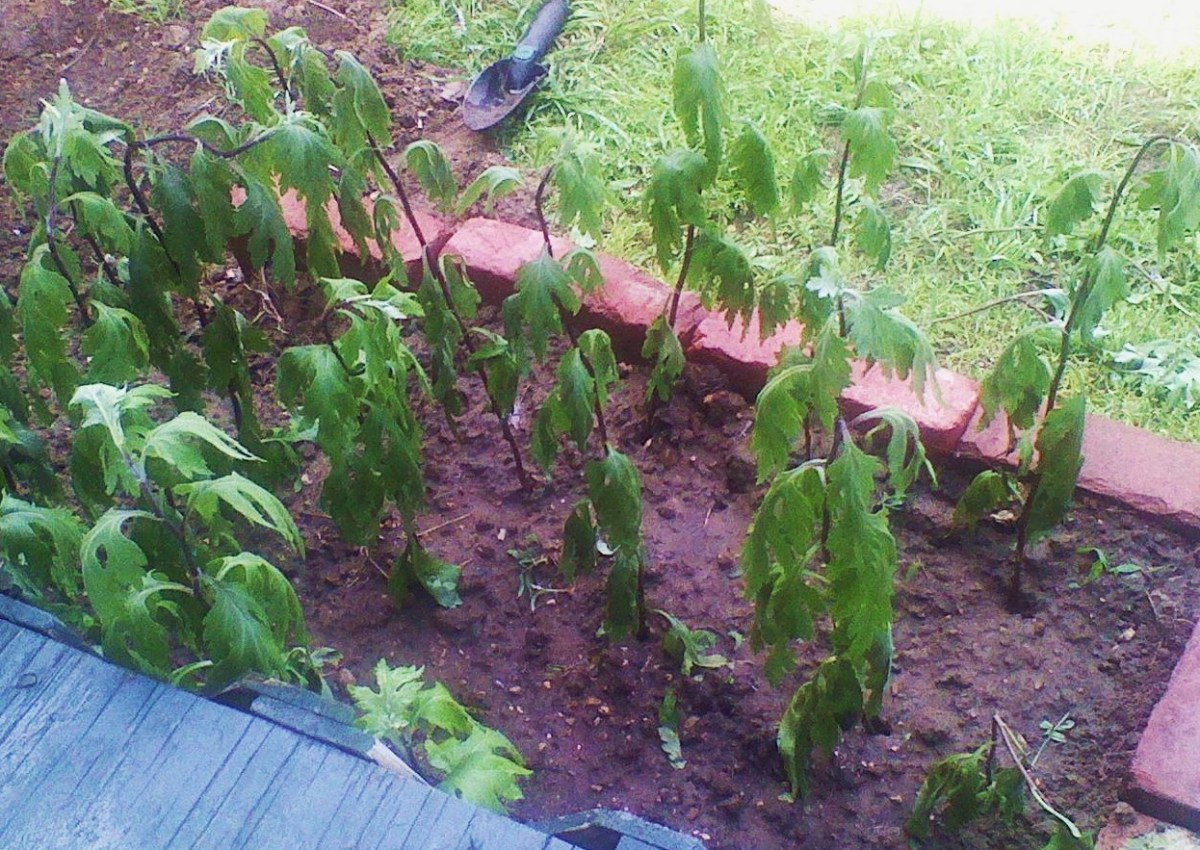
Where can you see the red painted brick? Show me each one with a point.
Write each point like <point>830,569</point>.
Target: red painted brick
<point>1146,472</point>
<point>1166,772</point>
<point>494,251</point>
<point>629,303</point>
<point>942,420</point>
<point>1129,830</point>
<point>742,356</point>
<point>990,444</point>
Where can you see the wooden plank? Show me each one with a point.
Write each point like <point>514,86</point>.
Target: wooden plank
<point>367,798</point>
<point>233,795</point>
<point>446,830</point>
<point>490,831</point>
<point>29,663</point>
<point>422,822</point>
<point>389,826</point>
<point>308,792</point>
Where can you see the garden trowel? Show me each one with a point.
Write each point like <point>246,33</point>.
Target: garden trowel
<point>500,88</point>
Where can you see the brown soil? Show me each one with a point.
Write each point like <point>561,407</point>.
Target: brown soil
<point>584,711</point>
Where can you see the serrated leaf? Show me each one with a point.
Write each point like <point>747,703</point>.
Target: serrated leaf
<point>432,170</point>
<point>389,712</point>
<point>720,261</point>
<point>581,193</point>
<point>100,218</point>
<point>312,382</point>
<point>574,395</point>
<point>246,498</point>
<point>1075,201</point>
<point>532,313</point>
<point>1059,446</point>
<point>883,334</point>
<point>698,95</point>
<point>872,151</point>
<point>494,183</point>
<point>174,442</point>
<point>259,216</point>
<point>668,730</point>
<point>622,606</point>
<point>416,565</point>
<point>690,647</point>
<point>1107,285</point>
<point>238,637</point>
<point>956,781</point>
<point>117,344</point>
<point>808,178</point>
<point>483,768</point>
<point>269,587</point>
<point>234,23</point>
<point>905,453</point>
<point>113,564</point>
<point>1018,383</point>
<point>988,492</point>
<point>138,636</point>
<point>862,554</point>
<point>368,104</point>
<point>596,347</point>
<point>873,234</point>
<point>662,347</point>
<point>40,547</point>
<point>107,405</point>
<point>43,301</point>
<point>184,237</point>
<point>815,716</point>
<point>672,201</point>
<point>501,367</point>
<point>579,542</point>
<point>1179,200</point>
<point>752,165</point>
<point>615,489</point>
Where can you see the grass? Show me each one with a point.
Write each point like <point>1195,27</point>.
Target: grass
<point>990,124</point>
<point>154,11</point>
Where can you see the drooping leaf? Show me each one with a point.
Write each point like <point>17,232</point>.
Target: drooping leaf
<point>501,367</point>
<point>313,382</point>
<point>107,405</point>
<point>429,165</point>
<point>1059,446</point>
<point>117,344</point>
<point>259,216</point>
<point>114,565</point>
<point>808,177</point>
<point>883,334</point>
<point>43,303</point>
<point>721,262</point>
<point>582,196</point>
<point>663,349</point>
<point>690,647</point>
<point>366,101</point>
<point>176,442</point>
<point>872,151</point>
<point>416,565</point>
<point>1075,202</point>
<point>238,637</point>
<point>1178,199</point>
<point>246,498</point>
<point>596,347</point>
<point>699,102</point>
<point>673,201</point>
<point>1018,383</point>
<point>905,453</point>
<point>623,612</point>
<point>1107,287</point>
<point>579,542</point>
<point>483,768</point>
<point>873,234</point>
<point>494,183</point>
<point>40,547</point>
<point>753,167</point>
<point>957,782</point>
<point>234,23</point>
<point>615,489</point>
<point>988,492</point>
<point>532,313</point>
<point>815,717</point>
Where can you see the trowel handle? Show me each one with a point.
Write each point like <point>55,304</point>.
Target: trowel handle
<point>545,27</point>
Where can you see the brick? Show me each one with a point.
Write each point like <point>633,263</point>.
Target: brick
<point>1128,830</point>
<point>1166,774</point>
<point>1149,473</point>
<point>989,445</point>
<point>742,357</point>
<point>493,252</point>
<point>942,421</point>
<point>628,304</point>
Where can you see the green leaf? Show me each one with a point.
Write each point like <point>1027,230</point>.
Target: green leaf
<point>691,647</point>
<point>246,498</point>
<point>698,97</point>
<point>883,334</point>
<point>302,158</point>
<point>668,730</point>
<point>596,347</point>
<point>862,555</point>
<point>1018,383</point>
<point>582,196</point>
<point>579,542</point>
<point>233,23</point>
<point>390,712</point>
<point>673,201</point>
<point>532,313</point>
<point>138,637</point>
<point>753,167</point>
<point>113,564</point>
<point>501,367</point>
<point>663,348</point>
<point>1107,285</point>
<point>615,489</point>
<point>183,229</point>
<point>438,577</point>
<point>815,717</point>
<point>175,441</point>
<point>1075,201</point>
<point>905,453</point>
<point>42,308</point>
<point>959,783</point>
<point>721,261</point>
<point>270,589</point>
<point>238,637</point>
<point>988,492</point>
<point>873,234</point>
<point>101,219</point>
<point>117,345</point>
<point>623,608</point>
<point>367,102</point>
<point>808,177</point>
<point>493,184</point>
<point>1178,201</point>
<point>1059,446</point>
<point>872,151</point>
<point>483,768</point>
<point>259,216</point>
<point>432,170</point>
<point>107,405</point>
<point>313,382</point>
<point>40,547</point>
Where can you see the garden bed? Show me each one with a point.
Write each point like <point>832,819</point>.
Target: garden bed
<point>584,711</point>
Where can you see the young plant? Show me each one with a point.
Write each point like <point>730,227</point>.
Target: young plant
<point>170,589</point>
<point>471,760</point>
<point>690,647</point>
<point>1026,382</point>
<point>965,787</point>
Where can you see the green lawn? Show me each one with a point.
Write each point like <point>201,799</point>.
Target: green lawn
<point>990,124</point>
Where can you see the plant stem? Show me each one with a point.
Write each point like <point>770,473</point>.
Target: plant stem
<point>566,317</point>
<point>1009,737</point>
<point>703,27</point>
<point>1020,296</point>
<point>689,248</point>
<point>283,83</point>
<point>841,190</point>
<point>52,246</point>
<point>435,270</point>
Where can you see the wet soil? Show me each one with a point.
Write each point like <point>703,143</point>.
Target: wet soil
<point>584,711</point>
